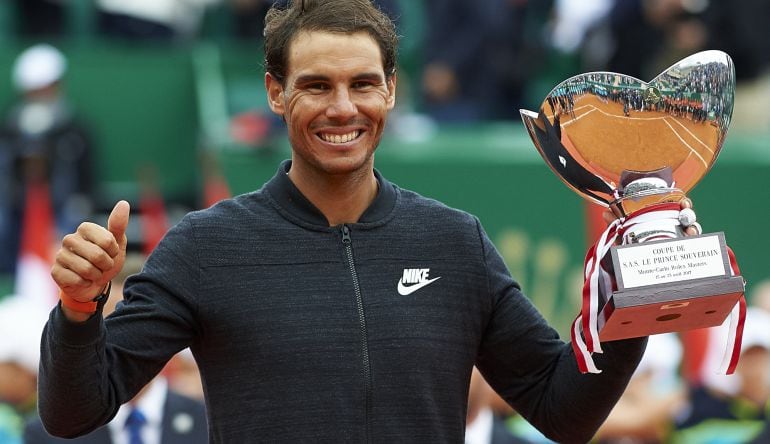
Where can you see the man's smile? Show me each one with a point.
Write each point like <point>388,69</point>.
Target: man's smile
<point>340,138</point>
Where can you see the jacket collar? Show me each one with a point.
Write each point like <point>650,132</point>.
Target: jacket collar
<point>289,198</point>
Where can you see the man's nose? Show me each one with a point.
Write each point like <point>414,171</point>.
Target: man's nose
<point>341,105</point>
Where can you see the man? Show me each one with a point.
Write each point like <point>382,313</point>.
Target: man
<point>330,305</point>
<point>167,417</point>
<point>478,57</point>
<point>42,143</point>
<point>653,398</point>
<point>483,426</point>
<point>151,19</point>
<point>732,408</point>
<point>20,326</point>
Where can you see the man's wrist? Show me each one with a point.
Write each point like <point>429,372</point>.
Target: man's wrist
<point>84,310</point>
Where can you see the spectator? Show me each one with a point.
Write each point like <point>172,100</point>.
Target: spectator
<point>184,375</point>
<point>41,141</point>
<point>482,425</point>
<point>760,295</point>
<point>151,19</point>
<point>643,37</point>
<point>166,417</point>
<point>732,408</point>
<point>478,57</point>
<point>764,435</point>
<point>249,17</point>
<point>20,326</point>
<point>645,412</point>
<point>740,28</point>
<point>40,18</point>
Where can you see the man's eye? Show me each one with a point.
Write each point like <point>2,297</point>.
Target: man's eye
<point>317,86</point>
<point>361,85</point>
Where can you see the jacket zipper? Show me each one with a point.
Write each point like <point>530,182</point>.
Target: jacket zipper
<point>347,243</point>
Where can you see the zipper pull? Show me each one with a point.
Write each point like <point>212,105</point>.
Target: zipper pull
<point>345,235</point>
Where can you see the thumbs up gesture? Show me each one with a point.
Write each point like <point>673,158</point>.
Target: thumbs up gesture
<point>90,257</point>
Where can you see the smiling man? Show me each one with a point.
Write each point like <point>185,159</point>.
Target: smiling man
<point>335,101</point>
<point>330,305</point>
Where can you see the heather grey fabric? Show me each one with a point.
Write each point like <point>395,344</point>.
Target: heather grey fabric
<point>301,333</point>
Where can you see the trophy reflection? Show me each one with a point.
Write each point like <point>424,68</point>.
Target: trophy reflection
<point>638,148</point>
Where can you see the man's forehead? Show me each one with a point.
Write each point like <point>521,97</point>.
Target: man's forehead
<point>319,49</point>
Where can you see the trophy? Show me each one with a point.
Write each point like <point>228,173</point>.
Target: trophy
<point>638,147</point>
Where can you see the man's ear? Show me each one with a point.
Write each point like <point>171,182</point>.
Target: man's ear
<point>274,94</point>
<point>391,83</point>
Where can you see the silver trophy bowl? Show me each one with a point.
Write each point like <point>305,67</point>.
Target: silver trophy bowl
<point>627,144</point>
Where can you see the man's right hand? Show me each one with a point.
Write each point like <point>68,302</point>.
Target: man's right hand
<point>90,258</point>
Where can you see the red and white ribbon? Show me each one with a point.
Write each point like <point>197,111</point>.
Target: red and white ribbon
<point>735,333</point>
<point>661,216</point>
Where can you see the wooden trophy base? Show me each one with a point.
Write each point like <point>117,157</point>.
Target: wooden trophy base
<point>671,307</point>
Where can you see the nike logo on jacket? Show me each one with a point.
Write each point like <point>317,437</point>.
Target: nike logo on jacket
<point>416,278</point>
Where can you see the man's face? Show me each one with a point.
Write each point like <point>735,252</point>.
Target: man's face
<point>335,101</point>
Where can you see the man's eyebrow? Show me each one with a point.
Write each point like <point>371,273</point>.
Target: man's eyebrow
<point>310,78</point>
<point>368,76</point>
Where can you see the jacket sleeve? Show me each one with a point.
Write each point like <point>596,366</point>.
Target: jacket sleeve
<point>87,370</point>
<point>524,360</point>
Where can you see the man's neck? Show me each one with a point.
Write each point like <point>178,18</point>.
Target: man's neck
<point>341,199</point>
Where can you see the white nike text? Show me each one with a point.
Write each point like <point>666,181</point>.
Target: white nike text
<point>416,278</point>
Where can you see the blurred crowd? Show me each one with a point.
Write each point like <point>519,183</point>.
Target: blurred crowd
<point>469,61</point>
<point>466,62</point>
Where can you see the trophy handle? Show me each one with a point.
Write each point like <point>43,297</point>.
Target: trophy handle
<point>547,138</point>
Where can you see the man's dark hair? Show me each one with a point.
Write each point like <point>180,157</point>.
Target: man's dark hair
<point>282,25</point>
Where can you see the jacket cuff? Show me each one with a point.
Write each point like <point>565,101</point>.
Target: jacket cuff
<point>76,334</point>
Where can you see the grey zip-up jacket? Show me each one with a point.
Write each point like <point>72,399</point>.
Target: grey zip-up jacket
<point>364,332</point>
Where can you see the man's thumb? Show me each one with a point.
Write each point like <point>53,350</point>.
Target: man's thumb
<point>118,220</point>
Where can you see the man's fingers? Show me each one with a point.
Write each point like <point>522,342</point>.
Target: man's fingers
<point>693,230</point>
<point>688,219</point>
<point>80,265</point>
<point>100,257</point>
<point>94,234</point>
<point>68,280</point>
<point>118,221</point>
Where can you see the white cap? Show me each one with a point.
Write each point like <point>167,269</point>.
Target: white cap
<point>21,327</point>
<point>38,67</point>
<point>756,333</point>
<point>662,356</point>
<point>756,329</point>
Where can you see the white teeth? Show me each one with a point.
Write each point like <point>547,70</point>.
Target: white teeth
<point>340,138</point>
